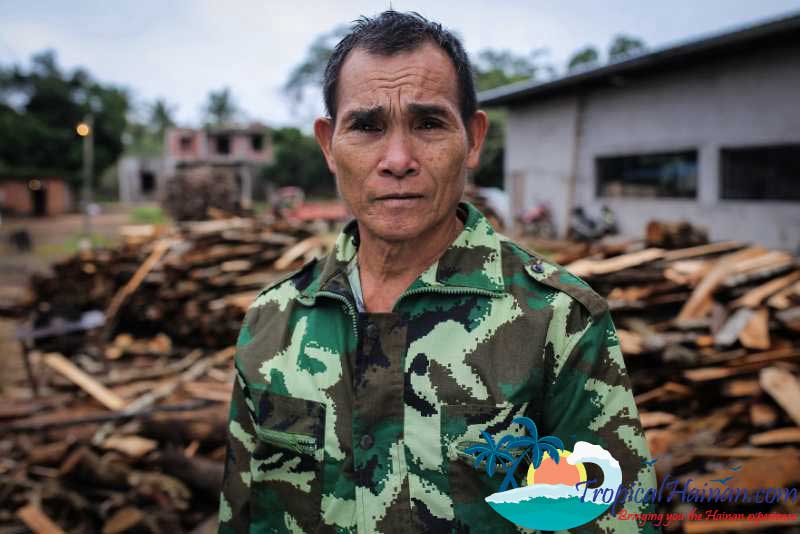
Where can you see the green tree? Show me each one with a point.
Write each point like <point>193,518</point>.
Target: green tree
<point>161,116</point>
<point>584,58</point>
<point>221,107</point>
<point>624,46</point>
<point>309,73</point>
<point>39,109</point>
<point>494,68</point>
<point>298,162</point>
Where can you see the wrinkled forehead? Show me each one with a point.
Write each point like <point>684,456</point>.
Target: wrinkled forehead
<point>425,75</point>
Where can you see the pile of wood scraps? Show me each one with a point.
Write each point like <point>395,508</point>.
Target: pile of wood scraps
<point>711,338</point>
<point>127,430</point>
<point>130,352</point>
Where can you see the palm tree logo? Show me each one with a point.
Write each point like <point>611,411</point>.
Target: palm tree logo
<point>510,450</point>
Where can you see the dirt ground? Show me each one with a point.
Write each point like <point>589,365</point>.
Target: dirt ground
<point>53,239</point>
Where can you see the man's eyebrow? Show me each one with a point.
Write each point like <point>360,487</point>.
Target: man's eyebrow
<point>434,110</point>
<point>364,114</point>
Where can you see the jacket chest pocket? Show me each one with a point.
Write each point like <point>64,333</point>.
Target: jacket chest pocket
<point>287,460</point>
<point>462,427</point>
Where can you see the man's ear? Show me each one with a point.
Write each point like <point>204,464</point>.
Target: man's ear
<point>478,126</point>
<point>323,131</point>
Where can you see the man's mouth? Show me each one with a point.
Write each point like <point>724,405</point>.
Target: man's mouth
<point>399,196</point>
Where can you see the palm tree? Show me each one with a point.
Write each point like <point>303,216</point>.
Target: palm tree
<point>492,453</point>
<point>161,114</point>
<point>221,107</point>
<point>533,446</point>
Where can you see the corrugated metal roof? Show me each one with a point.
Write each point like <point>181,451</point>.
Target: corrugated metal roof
<point>784,26</point>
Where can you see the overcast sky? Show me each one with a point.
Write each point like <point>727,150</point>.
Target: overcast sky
<point>180,50</point>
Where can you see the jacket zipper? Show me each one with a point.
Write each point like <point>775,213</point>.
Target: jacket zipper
<point>289,440</point>
<point>450,291</point>
<point>350,308</point>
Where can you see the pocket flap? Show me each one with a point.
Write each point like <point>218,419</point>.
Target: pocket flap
<point>289,422</point>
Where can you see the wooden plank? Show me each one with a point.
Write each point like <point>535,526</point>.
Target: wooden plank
<point>98,391</point>
<point>159,249</point>
<point>702,250</point>
<point>741,388</point>
<point>779,435</point>
<point>729,332</point>
<point>653,419</point>
<point>755,334</point>
<point>617,263</point>
<point>786,353</point>
<point>762,415</point>
<point>784,388</point>
<point>757,295</point>
<point>297,251</point>
<point>707,374</point>
<point>783,298</point>
<point>133,446</point>
<point>37,520</point>
<point>669,389</point>
<point>699,302</point>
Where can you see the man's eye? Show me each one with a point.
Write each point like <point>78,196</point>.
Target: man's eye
<point>430,124</point>
<point>366,126</point>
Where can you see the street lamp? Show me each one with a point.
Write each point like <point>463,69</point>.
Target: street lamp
<point>85,130</point>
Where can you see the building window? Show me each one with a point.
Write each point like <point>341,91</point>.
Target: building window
<point>760,173</point>
<point>257,142</point>
<point>147,181</point>
<point>662,175</point>
<point>223,144</point>
<point>187,143</point>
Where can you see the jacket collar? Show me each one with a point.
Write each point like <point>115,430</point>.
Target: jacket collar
<point>472,261</point>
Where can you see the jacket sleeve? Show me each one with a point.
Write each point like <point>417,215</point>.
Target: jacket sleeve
<point>589,398</point>
<point>234,510</point>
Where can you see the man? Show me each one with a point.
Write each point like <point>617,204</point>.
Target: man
<point>362,377</point>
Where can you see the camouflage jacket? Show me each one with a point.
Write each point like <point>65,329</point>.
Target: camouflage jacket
<point>357,422</point>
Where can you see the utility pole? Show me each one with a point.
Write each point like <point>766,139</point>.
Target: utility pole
<point>86,130</point>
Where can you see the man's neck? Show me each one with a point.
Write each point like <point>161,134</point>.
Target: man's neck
<point>387,268</point>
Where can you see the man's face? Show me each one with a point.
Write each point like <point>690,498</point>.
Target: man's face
<point>399,148</point>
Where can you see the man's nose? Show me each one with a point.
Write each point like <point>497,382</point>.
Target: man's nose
<point>398,160</point>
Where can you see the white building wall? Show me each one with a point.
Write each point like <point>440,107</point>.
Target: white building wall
<point>539,145</point>
<point>753,99</point>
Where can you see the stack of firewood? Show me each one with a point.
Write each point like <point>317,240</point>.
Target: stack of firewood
<point>711,338</point>
<point>127,430</point>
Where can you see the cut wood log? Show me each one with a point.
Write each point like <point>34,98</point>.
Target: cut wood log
<point>654,419</point>
<point>763,415</point>
<point>123,520</point>
<point>783,298</point>
<point>159,249</point>
<point>730,331</point>
<point>784,388</point>
<point>133,446</point>
<point>297,251</point>
<point>703,250</point>
<point>700,301</point>
<point>754,297</point>
<point>741,388</point>
<point>774,437</point>
<point>588,268</point>
<point>755,334</point>
<point>95,389</point>
<point>37,520</point>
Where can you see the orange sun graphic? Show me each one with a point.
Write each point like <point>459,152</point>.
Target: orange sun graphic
<point>549,472</point>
